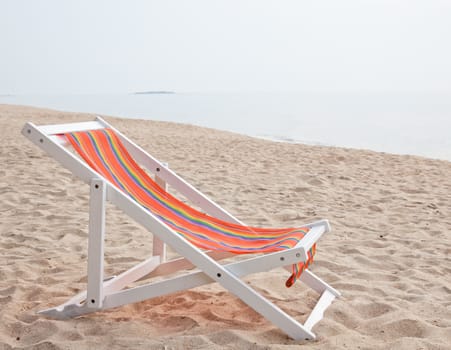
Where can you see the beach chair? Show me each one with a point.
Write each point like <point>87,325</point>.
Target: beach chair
<point>108,161</point>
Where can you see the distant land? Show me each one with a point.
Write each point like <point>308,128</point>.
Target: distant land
<point>153,92</point>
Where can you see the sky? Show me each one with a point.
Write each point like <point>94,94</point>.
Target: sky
<point>93,46</point>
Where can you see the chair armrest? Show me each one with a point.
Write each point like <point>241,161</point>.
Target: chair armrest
<point>317,229</point>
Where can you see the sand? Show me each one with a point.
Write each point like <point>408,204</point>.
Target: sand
<point>389,252</point>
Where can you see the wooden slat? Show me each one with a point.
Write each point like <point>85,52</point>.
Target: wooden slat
<point>71,127</point>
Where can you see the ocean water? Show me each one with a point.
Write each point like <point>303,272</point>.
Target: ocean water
<point>418,124</point>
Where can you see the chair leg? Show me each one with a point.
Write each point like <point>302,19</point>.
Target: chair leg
<point>96,243</point>
<point>159,247</point>
<point>318,311</point>
<point>266,308</point>
<point>316,283</point>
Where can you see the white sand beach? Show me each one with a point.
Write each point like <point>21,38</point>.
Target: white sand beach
<point>389,252</point>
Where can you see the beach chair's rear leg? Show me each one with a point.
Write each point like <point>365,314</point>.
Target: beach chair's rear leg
<point>96,243</point>
<point>316,283</point>
<point>328,294</point>
<point>159,247</point>
<point>317,313</point>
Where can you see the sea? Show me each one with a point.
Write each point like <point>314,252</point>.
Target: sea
<point>399,123</point>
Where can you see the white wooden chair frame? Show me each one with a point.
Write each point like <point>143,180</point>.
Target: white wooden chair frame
<point>104,293</point>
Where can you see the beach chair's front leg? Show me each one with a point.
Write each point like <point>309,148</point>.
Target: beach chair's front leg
<point>97,202</point>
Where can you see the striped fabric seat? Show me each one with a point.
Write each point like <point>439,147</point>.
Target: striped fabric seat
<point>103,151</point>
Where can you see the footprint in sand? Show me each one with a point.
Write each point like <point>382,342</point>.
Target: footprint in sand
<point>315,182</point>
<point>372,310</point>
